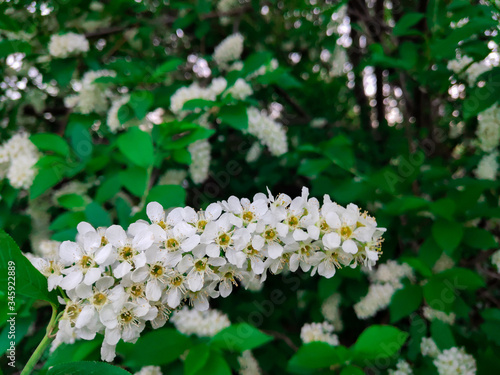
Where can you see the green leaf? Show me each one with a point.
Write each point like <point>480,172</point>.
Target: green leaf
<point>51,170</point>
<point>234,116</point>
<point>10,46</point>
<point>86,368</point>
<point>72,201</point>
<point>97,216</point>
<point>157,348</point>
<point>447,234</point>
<point>108,189</point>
<point>67,220</point>
<point>50,142</point>
<point>167,67</point>
<point>168,195</point>
<point>255,61</point>
<point>78,351</point>
<point>197,358</point>
<point>62,70</point>
<point>193,104</point>
<point>339,150</point>
<point>479,238</point>
<point>215,365</point>
<point>378,342</point>
<point>316,355</point>
<point>125,114</point>
<point>405,204</point>
<point>79,135</point>
<point>240,337</point>
<point>405,301</point>
<point>406,22</point>
<point>135,180</point>
<point>352,370</point>
<point>29,282</point>
<point>442,335</point>
<point>313,167</point>
<point>443,207</point>
<point>137,146</point>
<point>141,102</point>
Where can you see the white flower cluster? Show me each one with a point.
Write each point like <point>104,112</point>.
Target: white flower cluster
<point>429,348</point>
<point>269,132</point>
<point>319,332</point>
<point>495,259</point>
<point>200,323</point>
<point>402,368</point>
<point>331,311</point>
<point>455,361</point>
<point>449,361</point>
<point>488,130</point>
<point>173,177</point>
<point>487,168</point>
<point>112,120</point>
<point>200,160</point>
<point>443,263</point>
<point>67,44</point>
<point>240,90</point>
<point>385,281</point>
<point>92,96</point>
<point>248,364</point>
<point>228,50</point>
<point>431,314</point>
<point>149,370</point>
<point>116,280</point>
<point>465,66</point>
<point>254,152</point>
<point>18,157</point>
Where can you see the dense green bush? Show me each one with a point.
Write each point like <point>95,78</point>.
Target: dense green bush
<point>390,105</point>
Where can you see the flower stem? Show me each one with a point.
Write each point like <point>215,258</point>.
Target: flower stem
<point>35,357</point>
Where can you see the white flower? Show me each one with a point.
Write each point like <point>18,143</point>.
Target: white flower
<point>85,260</point>
<point>488,129</point>
<point>487,168</point>
<point>51,269</point>
<point>402,368</point>
<point>198,269</point>
<point>431,314</point>
<point>200,160</point>
<point>112,120</point>
<point>240,90</point>
<point>269,132</point>
<point>429,348</point>
<point>173,177</point>
<point>18,157</point>
<point>455,361</point>
<point>248,364</point>
<point>67,44</point>
<point>130,251</point>
<point>149,370</point>
<point>92,96</point>
<point>378,298</point>
<point>228,50</point>
<point>318,332</point>
<point>331,311</point>
<point>200,323</point>
<point>495,260</point>
<point>254,152</point>
<point>443,263</point>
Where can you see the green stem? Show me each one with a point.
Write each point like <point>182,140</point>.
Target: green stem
<point>35,357</point>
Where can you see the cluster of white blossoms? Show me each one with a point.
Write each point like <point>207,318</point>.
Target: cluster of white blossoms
<point>92,96</point>
<point>429,348</point>
<point>115,280</point>
<point>487,168</point>
<point>173,177</point>
<point>449,361</point>
<point>150,370</point>
<point>240,90</point>
<point>466,67</point>
<point>495,260</point>
<point>443,263</point>
<point>112,120</point>
<point>386,280</point>
<point>431,314</point>
<point>254,152</point>
<point>488,129</point>
<point>455,361</point>
<point>311,332</point>
<point>270,133</point>
<point>200,323</point>
<point>402,368</point>
<point>18,157</point>
<point>331,311</point>
<point>248,364</point>
<point>68,44</point>
<point>200,160</point>
<point>230,49</point>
